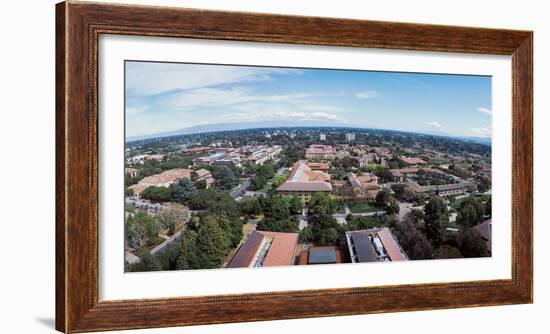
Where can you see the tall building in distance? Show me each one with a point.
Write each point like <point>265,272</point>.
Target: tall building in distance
<point>322,137</point>
<point>350,136</point>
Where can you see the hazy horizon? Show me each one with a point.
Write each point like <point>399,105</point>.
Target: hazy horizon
<point>162,98</point>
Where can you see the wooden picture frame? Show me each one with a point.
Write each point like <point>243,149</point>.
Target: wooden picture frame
<point>78,27</point>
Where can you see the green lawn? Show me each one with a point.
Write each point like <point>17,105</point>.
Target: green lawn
<point>340,209</point>
<point>457,202</point>
<point>276,180</point>
<point>266,188</point>
<point>363,207</point>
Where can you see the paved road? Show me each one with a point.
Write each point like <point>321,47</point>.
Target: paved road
<point>281,171</point>
<point>302,222</point>
<point>240,190</point>
<point>405,208</point>
<point>346,209</point>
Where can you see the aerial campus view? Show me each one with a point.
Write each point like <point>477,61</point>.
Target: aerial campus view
<point>249,167</point>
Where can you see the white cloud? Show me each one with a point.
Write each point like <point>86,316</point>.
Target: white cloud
<point>254,112</point>
<point>368,94</point>
<point>216,98</point>
<point>144,79</point>
<point>482,131</point>
<point>485,110</point>
<point>130,111</point>
<point>435,124</point>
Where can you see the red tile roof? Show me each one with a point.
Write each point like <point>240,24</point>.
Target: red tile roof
<point>316,148</point>
<point>282,249</point>
<point>302,178</point>
<point>129,170</point>
<point>138,188</point>
<point>412,161</point>
<point>391,246</point>
<point>167,176</point>
<point>281,252</point>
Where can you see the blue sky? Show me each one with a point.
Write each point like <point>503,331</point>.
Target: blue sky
<point>163,97</point>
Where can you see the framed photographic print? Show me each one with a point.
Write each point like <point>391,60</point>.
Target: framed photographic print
<point>222,166</point>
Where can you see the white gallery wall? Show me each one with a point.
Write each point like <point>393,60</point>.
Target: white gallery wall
<point>27,157</point>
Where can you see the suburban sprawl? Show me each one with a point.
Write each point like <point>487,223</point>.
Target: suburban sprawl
<point>304,196</point>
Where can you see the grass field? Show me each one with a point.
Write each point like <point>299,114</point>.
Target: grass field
<point>340,209</point>
<point>457,202</point>
<point>364,207</point>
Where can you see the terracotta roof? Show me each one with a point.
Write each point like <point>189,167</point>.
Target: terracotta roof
<point>364,185</point>
<point>410,170</point>
<point>412,161</point>
<point>318,165</point>
<point>281,252</point>
<point>302,178</point>
<point>129,170</point>
<point>197,149</point>
<point>282,249</point>
<point>391,246</point>
<point>203,173</point>
<point>138,188</point>
<point>167,176</point>
<point>321,149</point>
<point>401,171</point>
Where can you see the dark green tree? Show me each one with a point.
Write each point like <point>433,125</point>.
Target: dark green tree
<point>392,208</point>
<point>157,194</point>
<point>225,178</point>
<point>383,197</point>
<point>471,212</point>
<point>414,242</point>
<point>289,225</point>
<point>189,256</point>
<point>147,262</point>
<point>471,244</point>
<point>266,171</point>
<point>201,184</point>
<point>435,215</point>
<point>280,209</point>
<point>306,234</point>
<point>295,205</point>
<point>203,199</point>
<point>183,190</point>
<point>212,242</point>
<point>325,229</point>
<point>251,206</point>
<point>257,182</point>
<point>447,252</point>
<point>322,204</point>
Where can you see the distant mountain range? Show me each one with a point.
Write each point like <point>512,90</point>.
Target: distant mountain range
<point>240,126</point>
<point>218,127</point>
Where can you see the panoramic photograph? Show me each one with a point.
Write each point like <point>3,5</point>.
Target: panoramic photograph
<point>232,166</point>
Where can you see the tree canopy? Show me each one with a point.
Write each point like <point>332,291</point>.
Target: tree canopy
<point>471,212</point>
<point>435,215</point>
<point>183,190</point>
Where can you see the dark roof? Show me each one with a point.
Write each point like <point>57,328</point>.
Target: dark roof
<point>320,256</point>
<point>247,251</point>
<point>484,230</point>
<point>363,247</point>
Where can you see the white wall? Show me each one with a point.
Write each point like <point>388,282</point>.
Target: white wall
<point>27,139</point>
